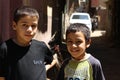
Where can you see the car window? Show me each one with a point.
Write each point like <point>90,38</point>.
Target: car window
<point>75,17</point>
<point>84,17</point>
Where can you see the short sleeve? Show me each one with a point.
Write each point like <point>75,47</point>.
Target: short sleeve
<point>48,55</point>
<point>97,69</point>
<point>3,51</point>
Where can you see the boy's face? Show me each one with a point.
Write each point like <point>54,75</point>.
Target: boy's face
<point>25,28</point>
<point>76,45</point>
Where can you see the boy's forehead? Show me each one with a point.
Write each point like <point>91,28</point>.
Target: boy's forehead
<point>31,18</point>
<point>76,34</point>
<point>28,20</point>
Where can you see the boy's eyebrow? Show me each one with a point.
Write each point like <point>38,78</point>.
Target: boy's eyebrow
<point>26,22</point>
<point>23,22</point>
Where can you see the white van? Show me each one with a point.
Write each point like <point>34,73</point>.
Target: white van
<point>81,18</point>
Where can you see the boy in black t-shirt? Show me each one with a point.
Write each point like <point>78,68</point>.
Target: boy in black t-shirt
<point>21,57</point>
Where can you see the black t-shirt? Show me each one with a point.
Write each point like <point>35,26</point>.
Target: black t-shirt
<point>24,63</point>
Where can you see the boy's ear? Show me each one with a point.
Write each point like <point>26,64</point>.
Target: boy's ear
<point>14,25</point>
<point>88,43</point>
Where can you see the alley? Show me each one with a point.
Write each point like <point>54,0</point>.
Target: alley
<point>107,53</point>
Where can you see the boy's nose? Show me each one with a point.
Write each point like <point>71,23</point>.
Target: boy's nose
<point>74,45</point>
<point>29,28</point>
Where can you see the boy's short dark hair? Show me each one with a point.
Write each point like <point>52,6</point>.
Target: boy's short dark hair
<point>25,11</point>
<point>76,27</point>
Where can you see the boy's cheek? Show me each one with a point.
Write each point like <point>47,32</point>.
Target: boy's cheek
<point>35,30</point>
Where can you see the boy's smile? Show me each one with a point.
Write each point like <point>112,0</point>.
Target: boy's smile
<point>25,28</point>
<point>76,45</point>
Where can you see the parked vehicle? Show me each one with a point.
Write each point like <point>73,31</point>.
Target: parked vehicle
<point>84,18</point>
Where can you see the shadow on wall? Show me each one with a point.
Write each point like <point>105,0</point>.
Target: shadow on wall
<point>43,21</point>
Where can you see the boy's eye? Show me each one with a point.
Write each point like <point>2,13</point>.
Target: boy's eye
<point>33,26</point>
<point>69,42</point>
<point>78,42</point>
<point>24,25</point>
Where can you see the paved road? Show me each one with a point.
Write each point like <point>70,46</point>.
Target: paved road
<point>107,54</point>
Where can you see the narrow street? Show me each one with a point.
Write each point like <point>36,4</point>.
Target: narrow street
<point>108,54</point>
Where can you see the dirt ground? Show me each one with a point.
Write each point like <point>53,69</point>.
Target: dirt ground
<point>108,54</point>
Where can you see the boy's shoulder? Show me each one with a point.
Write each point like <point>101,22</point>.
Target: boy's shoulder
<point>3,48</point>
<point>3,44</point>
<point>93,60</point>
<point>7,42</point>
<point>35,42</point>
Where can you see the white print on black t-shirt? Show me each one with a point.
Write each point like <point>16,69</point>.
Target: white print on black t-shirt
<point>37,62</point>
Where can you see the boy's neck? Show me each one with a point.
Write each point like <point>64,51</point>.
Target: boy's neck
<point>86,56</point>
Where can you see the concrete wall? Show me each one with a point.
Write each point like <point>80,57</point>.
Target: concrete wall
<point>7,8</point>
